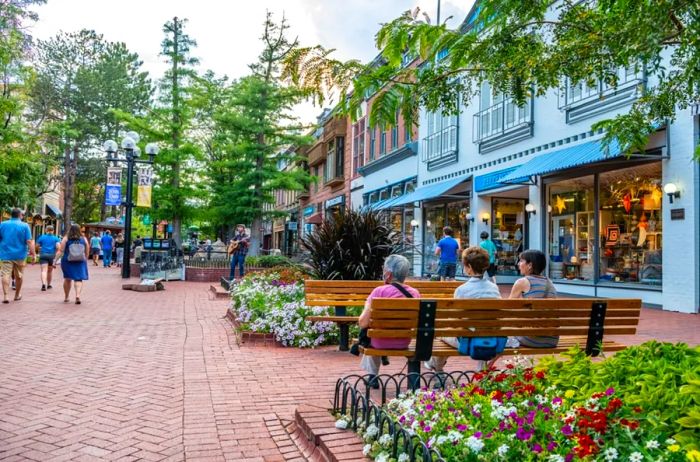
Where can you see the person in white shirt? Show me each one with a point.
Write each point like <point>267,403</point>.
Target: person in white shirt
<point>475,261</point>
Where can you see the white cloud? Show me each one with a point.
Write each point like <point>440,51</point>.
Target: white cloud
<point>228,31</point>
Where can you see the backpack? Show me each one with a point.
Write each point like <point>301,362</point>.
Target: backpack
<point>481,348</point>
<point>76,252</point>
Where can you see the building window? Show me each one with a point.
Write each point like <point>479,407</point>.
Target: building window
<point>358,145</point>
<point>382,143</point>
<point>498,115</point>
<point>508,218</point>
<point>394,137</point>
<point>440,144</point>
<point>372,142</point>
<point>334,160</point>
<point>317,179</point>
<point>407,133</point>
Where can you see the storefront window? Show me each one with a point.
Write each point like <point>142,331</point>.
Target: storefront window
<point>507,232</point>
<point>571,229</point>
<point>630,225</point>
<point>434,222</point>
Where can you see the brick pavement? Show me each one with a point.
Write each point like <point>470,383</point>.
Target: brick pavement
<point>158,376</point>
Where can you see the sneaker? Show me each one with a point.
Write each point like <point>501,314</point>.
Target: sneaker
<point>43,288</point>
<point>49,286</point>
<point>385,361</point>
<point>428,365</point>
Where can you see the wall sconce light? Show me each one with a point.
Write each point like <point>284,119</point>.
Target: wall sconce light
<point>549,208</point>
<point>530,209</point>
<point>485,217</point>
<point>469,218</point>
<point>414,223</point>
<point>672,191</point>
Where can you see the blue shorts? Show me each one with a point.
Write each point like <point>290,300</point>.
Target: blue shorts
<point>448,270</point>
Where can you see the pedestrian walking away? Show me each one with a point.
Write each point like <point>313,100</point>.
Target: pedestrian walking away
<point>448,249</point>
<point>74,257</point>
<point>119,245</point>
<point>488,245</point>
<point>15,242</point>
<point>107,242</point>
<point>48,245</point>
<point>95,248</point>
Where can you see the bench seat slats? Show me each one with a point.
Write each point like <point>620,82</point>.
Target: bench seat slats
<point>505,332</point>
<point>340,319</point>
<point>482,313</point>
<point>442,349</point>
<point>315,285</point>
<point>524,304</point>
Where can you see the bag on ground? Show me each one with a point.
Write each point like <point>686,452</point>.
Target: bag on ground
<point>482,348</point>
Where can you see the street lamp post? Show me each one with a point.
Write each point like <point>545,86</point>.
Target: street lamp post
<point>131,153</point>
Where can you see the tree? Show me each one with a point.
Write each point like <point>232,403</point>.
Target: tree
<point>82,81</point>
<point>21,163</point>
<point>257,134</point>
<point>177,190</point>
<point>524,49</point>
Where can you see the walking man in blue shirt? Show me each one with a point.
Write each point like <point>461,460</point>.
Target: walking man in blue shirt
<point>15,242</point>
<point>447,249</point>
<point>107,242</point>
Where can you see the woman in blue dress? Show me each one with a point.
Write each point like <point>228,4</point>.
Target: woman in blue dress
<point>73,265</point>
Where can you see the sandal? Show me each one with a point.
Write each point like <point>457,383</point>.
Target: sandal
<point>77,301</point>
<point>18,298</point>
<point>6,301</point>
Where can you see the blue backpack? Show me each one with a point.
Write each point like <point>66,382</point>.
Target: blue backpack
<point>481,348</point>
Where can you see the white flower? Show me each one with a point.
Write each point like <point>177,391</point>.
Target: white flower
<point>442,439</point>
<point>555,458</point>
<point>371,431</point>
<point>670,441</point>
<point>454,436</point>
<point>502,450</point>
<point>652,444</point>
<point>385,439</point>
<point>610,454</point>
<point>540,399</point>
<point>636,457</point>
<point>382,457</point>
<point>341,423</point>
<point>477,407</point>
<point>403,457</point>
<point>366,449</point>
<point>475,444</point>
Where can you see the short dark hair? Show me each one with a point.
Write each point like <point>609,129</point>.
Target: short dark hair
<point>477,258</point>
<point>447,230</point>
<point>484,235</point>
<point>536,258</point>
<point>15,213</point>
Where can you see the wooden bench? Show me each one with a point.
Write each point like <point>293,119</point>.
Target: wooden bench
<point>577,321</point>
<point>341,294</point>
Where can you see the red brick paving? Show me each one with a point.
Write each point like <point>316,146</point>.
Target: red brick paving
<point>159,376</point>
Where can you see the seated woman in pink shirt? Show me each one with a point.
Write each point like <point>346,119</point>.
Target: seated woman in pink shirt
<point>395,270</point>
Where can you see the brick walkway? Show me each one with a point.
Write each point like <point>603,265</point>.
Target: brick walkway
<point>158,376</point>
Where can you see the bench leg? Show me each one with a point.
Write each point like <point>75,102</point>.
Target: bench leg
<point>344,341</point>
<point>413,374</point>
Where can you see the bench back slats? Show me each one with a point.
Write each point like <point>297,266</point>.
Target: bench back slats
<point>354,293</point>
<point>396,318</point>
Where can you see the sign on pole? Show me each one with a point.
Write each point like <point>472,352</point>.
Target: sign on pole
<point>143,196</point>
<point>113,189</point>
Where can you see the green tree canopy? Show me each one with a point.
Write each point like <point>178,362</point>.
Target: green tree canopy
<point>523,49</point>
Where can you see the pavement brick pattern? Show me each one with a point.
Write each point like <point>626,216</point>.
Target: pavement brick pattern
<point>159,376</point>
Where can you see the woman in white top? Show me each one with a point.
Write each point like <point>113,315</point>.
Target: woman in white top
<point>476,262</point>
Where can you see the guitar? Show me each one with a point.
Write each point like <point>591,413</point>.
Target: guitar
<point>233,245</point>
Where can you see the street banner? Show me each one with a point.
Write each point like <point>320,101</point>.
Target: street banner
<point>143,195</point>
<point>113,189</point>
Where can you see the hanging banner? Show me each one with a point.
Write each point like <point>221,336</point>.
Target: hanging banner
<point>143,196</point>
<point>113,189</point>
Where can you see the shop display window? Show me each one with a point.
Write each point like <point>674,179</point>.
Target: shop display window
<point>434,222</point>
<point>630,225</point>
<point>571,206</point>
<point>507,232</point>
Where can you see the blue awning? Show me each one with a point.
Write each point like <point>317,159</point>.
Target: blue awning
<point>430,191</point>
<point>53,211</point>
<point>570,157</point>
<point>493,180</point>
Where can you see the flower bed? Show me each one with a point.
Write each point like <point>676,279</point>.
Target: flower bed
<point>272,302</point>
<point>557,412</point>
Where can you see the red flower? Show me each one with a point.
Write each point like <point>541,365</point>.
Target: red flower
<point>540,375</point>
<point>528,375</point>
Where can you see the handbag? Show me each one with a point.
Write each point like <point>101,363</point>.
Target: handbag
<point>481,348</point>
<point>76,252</point>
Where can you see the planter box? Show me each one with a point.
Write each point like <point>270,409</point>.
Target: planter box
<point>251,338</point>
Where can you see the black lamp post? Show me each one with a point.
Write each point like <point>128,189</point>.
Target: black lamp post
<point>131,153</point>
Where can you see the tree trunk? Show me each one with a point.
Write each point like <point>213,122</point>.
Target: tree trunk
<point>255,237</point>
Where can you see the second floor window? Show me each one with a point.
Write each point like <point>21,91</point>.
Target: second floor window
<point>358,145</point>
<point>382,143</point>
<point>497,114</point>
<point>334,160</point>
<point>372,142</point>
<point>441,139</point>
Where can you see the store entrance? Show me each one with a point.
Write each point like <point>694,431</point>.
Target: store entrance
<point>508,233</point>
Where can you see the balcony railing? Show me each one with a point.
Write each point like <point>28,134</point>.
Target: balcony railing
<point>500,119</point>
<point>317,154</point>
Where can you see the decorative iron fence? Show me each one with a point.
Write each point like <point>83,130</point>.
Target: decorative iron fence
<point>353,398</point>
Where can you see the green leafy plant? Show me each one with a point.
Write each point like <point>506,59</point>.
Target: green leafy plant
<point>351,245</point>
<point>663,379</point>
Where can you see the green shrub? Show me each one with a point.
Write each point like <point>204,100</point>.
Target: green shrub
<point>662,379</point>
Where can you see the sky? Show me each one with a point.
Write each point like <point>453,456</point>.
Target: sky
<point>228,32</point>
